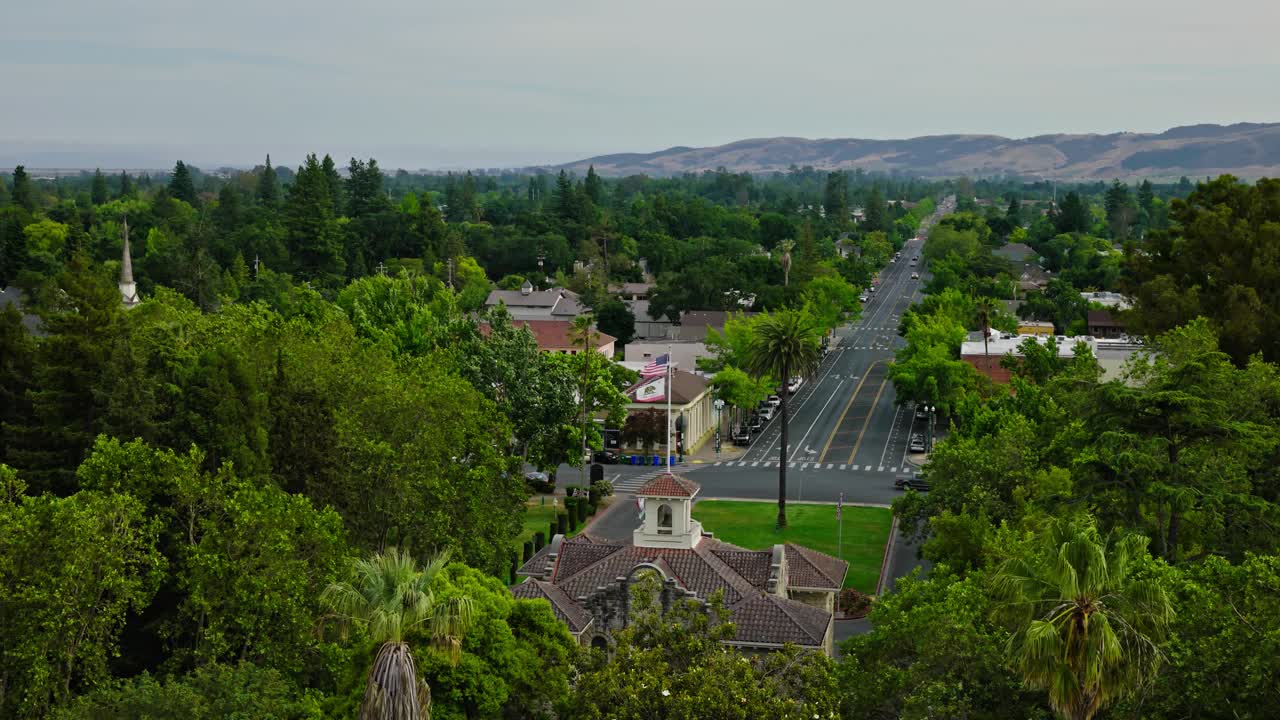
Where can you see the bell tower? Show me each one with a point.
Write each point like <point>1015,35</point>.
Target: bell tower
<point>666,503</point>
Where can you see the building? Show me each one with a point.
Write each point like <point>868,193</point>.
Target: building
<point>686,342</point>
<point>786,594</point>
<point>630,292</point>
<point>556,336</point>
<point>986,360</point>
<point>1018,254</point>
<point>1102,325</point>
<point>529,304</point>
<point>649,326</point>
<point>691,399</point>
<point>1109,300</point>
<point>684,354</point>
<point>12,297</point>
<point>1034,327</point>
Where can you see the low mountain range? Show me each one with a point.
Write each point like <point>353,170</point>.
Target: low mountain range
<point>1247,150</point>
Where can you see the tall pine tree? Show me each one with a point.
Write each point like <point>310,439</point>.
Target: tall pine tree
<point>268,191</point>
<point>98,190</point>
<point>593,186</point>
<point>126,184</point>
<point>181,185</point>
<point>313,237</point>
<point>333,181</point>
<point>23,194</point>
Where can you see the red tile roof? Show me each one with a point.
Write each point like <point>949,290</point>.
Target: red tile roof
<point>811,569</point>
<point>668,485</point>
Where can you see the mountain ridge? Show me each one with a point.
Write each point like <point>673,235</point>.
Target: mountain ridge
<point>1246,149</point>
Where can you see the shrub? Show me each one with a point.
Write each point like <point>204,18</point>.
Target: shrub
<point>854,603</point>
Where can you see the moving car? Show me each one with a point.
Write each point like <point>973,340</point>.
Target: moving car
<point>916,444</point>
<point>920,413</point>
<point>795,385</point>
<point>915,276</point>
<point>916,482</point>
<point>605,457</point>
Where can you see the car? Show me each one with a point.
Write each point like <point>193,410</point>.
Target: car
<point>767,412</point>
<point>916,482</point>
<point>864,297</point>
<point>917,444</point>
<point>871,289</point>
<point>741,437</point>
<point>897,255</point>
<point>536,476</point>
<point>605,457</point>
<point>795,385</point>
<point>915,276</point>
<point>893,260</point>
<point>921,414</point>
<point>755,423</point>
<point>774,400</point>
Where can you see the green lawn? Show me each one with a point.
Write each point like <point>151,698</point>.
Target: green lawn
<point>750,525</point>
<point>538,517</point>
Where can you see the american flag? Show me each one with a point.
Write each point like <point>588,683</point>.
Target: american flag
<point>657,367</point>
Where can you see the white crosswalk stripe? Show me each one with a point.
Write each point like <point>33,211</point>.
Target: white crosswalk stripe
<point>755,463</point>
<point>844,466</point>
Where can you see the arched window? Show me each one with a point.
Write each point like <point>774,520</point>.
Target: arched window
<point>664,519</point>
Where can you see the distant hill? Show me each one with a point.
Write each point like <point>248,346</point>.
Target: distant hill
<point>1248,150</point>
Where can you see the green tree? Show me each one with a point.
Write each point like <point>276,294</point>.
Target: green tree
<point>785,344</point>
<point>1073,216</point>
<point>73,570</point>
<point>985,312</point>
<point>835,199</point>
<point>314,238</point>
<point>126,184</point>
<point>98,193</point>
<point>593,186</point>
<point>23,193</point>
<point>389,598</point>
<point>212,692</point>
<point>181,184</point>
<point>1086,623</point>
<point>616,319</point>
<point>268,189</point>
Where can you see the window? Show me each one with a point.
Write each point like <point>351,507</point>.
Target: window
<point>664,519</point>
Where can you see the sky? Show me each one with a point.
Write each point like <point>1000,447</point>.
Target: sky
<point>501,83</point>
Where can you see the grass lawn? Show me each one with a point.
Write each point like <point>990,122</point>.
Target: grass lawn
<point>750,525</point>
<point>538,517</point>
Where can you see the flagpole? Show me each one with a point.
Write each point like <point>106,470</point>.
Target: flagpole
<point>669,365</point>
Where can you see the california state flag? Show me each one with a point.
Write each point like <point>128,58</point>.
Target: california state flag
<point>652,391</point>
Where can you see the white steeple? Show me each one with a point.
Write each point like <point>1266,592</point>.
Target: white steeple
<point>128,290</point>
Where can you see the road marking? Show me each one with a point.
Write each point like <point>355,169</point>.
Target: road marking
<point>718,462</point>
<point>881,468</point>
<point>804,465</point>
<point>862,433</point>
<point>839,422</point>
<point>844,466</point>
<point>816,418</point>
<point>755,463</point>
<point>791,465</point>
<point>893,469</point>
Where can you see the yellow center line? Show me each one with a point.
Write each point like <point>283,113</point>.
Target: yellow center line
<point>825,448</point>
<point>867,420</point>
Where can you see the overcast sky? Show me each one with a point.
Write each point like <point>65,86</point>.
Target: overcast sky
<point>423,83</point>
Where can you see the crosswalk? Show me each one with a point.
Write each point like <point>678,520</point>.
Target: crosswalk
<point>802,465</point>
<point>633,483</point>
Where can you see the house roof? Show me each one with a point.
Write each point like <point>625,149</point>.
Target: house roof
<point>585,563</point>
<point>1017,252</point>
<point>694,323</point>
<point>560,301</point>
<point>632,288</point>
<point>12,297</point>
<point>569,612</point>
<point>685,387</point>
<point>1102,318</point>
<point>668,485</point>
<point>811,569</point>
<point>555,335</point>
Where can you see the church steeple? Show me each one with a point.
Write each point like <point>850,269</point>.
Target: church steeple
<point>128,290</point>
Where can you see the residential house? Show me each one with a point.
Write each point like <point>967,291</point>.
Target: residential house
<point>1109,300</point>
<point>686,341</point>
<point>556,336</point>
<point>1034,327</point>
<point>783,595</point>
<point>1103,325</point>
<point>529,304</point>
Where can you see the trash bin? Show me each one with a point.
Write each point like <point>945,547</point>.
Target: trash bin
<point>635,459</point>
<point>657,460</point>
<point>597,472</point>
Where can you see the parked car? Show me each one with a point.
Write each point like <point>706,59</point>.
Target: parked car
<point>872,288</point>
<point>605,457</point>
<point>536,476</point>
<point>767,412</point>
<point>920,413</point>
<point>755,423</point>
<point>774,400</point>
<point>864,297</point>
<point>916,444</point>
<point>893,259</point>
<point>915,276</point>
<point>916,482</point>
<point>741,437</point>
<point>795,385</point>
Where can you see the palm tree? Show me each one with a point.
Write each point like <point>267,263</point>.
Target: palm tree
<point>583,333</point>
<point>784,344</point>
<point>390,597</point>
<point>786,246</point>
<point>985,310</point>
<point>1085,628</point>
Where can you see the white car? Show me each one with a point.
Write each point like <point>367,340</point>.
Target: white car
<point>864,297</point>
<point>795,385</point>
<point>774,400</point>
<point>915,276</point>
<point>767,412</point>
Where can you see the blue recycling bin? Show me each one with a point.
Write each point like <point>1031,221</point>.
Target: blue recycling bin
<point>635,459</point>
<point>657,460</point>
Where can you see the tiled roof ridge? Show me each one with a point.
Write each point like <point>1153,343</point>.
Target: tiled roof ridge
<point>743,586</point>
<point>813,557</point>
<point>593,542</point>
<point>787,604</point>
<point>661,486</point>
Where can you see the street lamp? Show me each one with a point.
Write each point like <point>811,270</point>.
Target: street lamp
<point>717,406</point>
